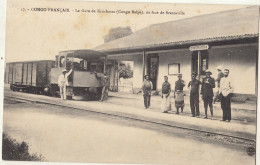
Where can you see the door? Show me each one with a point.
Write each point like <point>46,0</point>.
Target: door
<point>152,68</point>
<point>200,62</point>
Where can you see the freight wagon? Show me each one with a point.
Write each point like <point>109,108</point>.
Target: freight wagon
<point>29,76</point>
<point>42,76</point>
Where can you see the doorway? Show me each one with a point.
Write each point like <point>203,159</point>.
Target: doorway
<point>125,74</point>
<point>152,68</point>
<point>200,62</point>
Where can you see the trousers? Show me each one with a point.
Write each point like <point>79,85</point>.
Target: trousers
<point>208,102</point>
<point>63,94</point>
<point>226,107</point>
<point>104,92</point>
<point>194,104</point>
<point>147,98</point>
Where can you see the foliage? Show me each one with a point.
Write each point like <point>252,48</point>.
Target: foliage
<point>12,150</point>
<point>125,71</point>
<point>118,32</point>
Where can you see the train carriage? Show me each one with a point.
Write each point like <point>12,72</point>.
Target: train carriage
<point>31,76</point>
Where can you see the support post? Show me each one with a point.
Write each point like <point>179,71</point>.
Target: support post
<point>143,64</point>
<point>105,64</point>
<point>199,64</point>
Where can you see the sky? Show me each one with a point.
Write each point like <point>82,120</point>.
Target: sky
<point>40,35</point>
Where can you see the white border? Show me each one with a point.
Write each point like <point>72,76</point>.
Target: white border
<point>2,50</point>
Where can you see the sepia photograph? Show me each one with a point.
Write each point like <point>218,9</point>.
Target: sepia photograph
<point>130,83</point>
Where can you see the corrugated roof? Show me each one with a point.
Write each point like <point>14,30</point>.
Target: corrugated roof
<point>232,24</point>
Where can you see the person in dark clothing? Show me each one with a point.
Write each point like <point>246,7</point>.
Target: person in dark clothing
<point>220,75</point>
<point>178,94</point>
<point>208,84</point>
<point>147,89</point>
<point>194,95</point>
<point>104,83</point>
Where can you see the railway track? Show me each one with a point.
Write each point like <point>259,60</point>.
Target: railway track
<point>224,137</point>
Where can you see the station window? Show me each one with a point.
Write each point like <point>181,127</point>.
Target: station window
<point>173,69</point>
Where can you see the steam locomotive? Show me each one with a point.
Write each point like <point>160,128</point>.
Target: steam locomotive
<point>41,77</point>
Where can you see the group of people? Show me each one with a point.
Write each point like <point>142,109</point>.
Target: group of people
<point>222,93</point>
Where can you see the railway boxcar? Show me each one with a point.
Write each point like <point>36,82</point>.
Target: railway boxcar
<point>30,76</point>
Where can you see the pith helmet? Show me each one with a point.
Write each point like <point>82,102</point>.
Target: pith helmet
<point>64,70</point>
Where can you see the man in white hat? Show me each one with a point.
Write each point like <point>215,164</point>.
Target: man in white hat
<point>63,82</point>
<point>220,75</point>
<point>225,91</point>
<point>207,86</point>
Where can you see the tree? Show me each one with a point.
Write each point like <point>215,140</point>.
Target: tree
<point>118,32</point>
<point>125,70</point>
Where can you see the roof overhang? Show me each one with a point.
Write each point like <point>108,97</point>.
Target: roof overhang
<point>250,38</point>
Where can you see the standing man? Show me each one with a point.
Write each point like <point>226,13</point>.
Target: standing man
<point>178,94</point>
<point>208,84</point>
<point>220,75</point>
<point>166,100</point>
<point>225,91</point>
<point>194,95</point>
<point>147,89</point>
<point>63,82</point>
<point>104,83</point>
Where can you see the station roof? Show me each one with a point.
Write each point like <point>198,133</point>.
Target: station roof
<point>228,25</point>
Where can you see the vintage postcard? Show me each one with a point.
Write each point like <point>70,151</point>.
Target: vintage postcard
<point>130,83</point>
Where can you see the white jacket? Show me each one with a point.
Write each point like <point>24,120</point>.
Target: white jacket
<point>63,79</point>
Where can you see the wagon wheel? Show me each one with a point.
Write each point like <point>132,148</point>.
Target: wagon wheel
<point>11,87</point>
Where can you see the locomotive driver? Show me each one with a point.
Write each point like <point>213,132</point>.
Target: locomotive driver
<point>63,82</point>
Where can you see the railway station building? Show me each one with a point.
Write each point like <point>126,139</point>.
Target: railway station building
<point>228,39</point>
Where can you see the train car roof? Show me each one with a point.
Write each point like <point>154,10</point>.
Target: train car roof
<point>83,53</point>
<point>29,61</point>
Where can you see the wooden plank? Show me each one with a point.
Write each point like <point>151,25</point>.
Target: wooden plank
<point>10,77</point>
<point>25,71</point>
<point>41,73</point>
<point>18,67</point>
<point>7,74</point>
<point>29,76</point>
<point>34,73</point>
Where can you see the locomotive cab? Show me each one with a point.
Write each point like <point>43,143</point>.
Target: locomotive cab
<point>83,83</point>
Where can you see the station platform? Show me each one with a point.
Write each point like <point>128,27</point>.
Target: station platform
<point>155,102</point>
<point>243,125</point>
